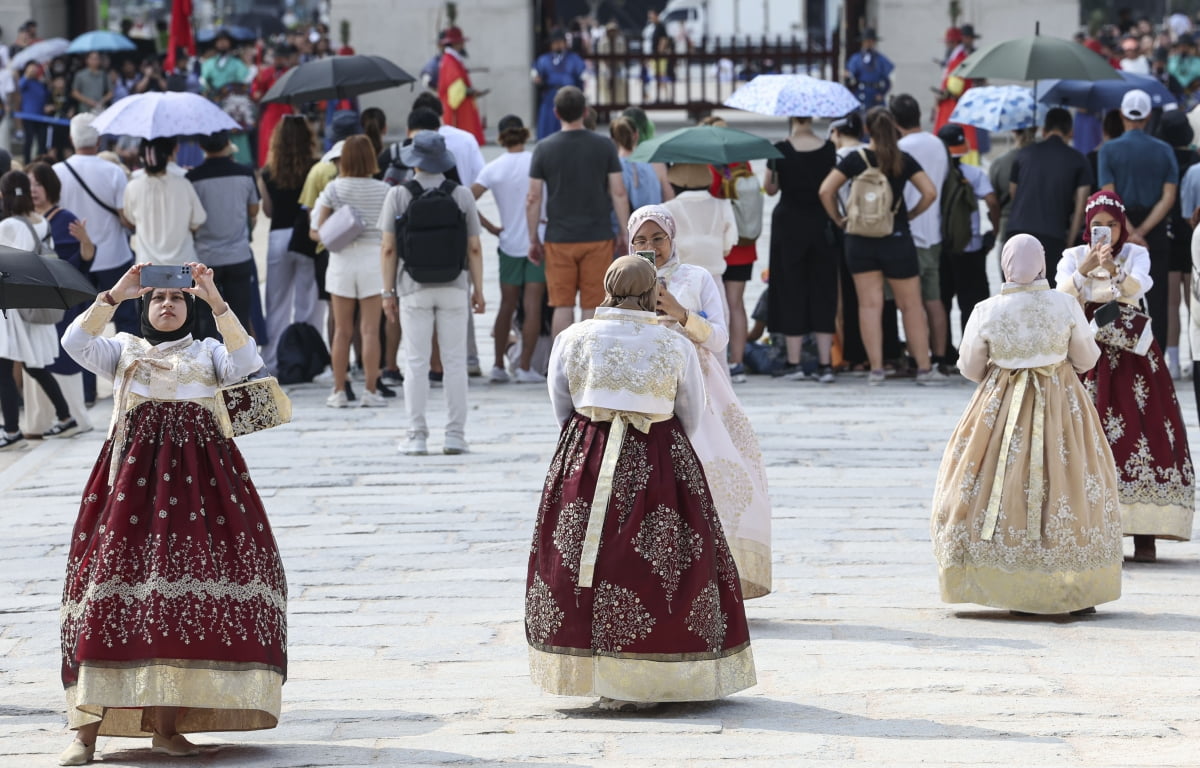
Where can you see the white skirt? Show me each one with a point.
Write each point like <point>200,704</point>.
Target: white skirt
<point>34,345</point>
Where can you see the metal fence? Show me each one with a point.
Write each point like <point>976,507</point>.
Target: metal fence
<point>700,80</point>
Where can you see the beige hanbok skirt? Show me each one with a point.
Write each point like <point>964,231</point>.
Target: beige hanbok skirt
<point>1025,512</point>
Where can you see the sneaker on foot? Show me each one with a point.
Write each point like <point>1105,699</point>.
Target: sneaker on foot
<point>10,441</point>
<point>454,446</point>
<point>414,445</point>
<point>339,400</point>
<point>498,376</point>
<point>875,378</point>
<point>737,373</point>
<point>391,378</point>
<point>373,400</point>
<point>435,378</point>
<point>825,375</point>
<point>66,428</point>
<point>796,374</point>
<point>931,378</point>
<point>529,376</point>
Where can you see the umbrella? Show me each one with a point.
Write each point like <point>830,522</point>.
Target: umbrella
<point>794,96</point>
<point>32,281</point>
<point>1105,94</point>
<point>996,108</point>
<point>709,144</point>
<point>336,77</point>
<point>1036,58</point>
<point>41,52</point>
<point>239,34</point>
<point>155,115</point>
<point>101,40</point>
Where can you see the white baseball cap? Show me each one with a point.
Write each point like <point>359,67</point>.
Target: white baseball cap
<point>1135,105</point>
<point>334,153</point>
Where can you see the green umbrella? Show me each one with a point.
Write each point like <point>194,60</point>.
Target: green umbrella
<point>1036,58</point>
<point>709,144</point>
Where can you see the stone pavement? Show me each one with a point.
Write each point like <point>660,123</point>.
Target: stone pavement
<point>406,577</point>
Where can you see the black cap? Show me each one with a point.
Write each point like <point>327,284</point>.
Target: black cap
<point>509,121</point>
<point>1185,39</point>
<point>952,135</point>
<point>215,142</point>
<point>870,34</point>
<point>557,35</point>
<point>968,30</point>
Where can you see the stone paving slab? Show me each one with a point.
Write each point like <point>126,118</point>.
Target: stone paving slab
<point>406,578</point>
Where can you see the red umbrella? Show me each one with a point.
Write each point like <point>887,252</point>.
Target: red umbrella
<point>180,34</point>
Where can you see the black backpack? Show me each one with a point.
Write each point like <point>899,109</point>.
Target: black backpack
<point>301,354</point>
<point>957,201</point>
<point>431,236</point>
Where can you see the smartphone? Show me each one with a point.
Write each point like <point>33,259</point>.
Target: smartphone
<point>1101,235</point>
<point>647,255</point>
<point>1106,314</point>
<point>164,276</point>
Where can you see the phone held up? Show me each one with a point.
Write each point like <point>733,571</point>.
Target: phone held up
<point>165,276</point>
<point>647,255</point>
<point>1101,236</point>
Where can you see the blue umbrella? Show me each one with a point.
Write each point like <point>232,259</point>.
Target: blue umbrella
<point>1100,95</point>
<point>996,108</point>
<point>101,40</point>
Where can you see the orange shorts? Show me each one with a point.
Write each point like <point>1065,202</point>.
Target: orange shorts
<point>577,268</point>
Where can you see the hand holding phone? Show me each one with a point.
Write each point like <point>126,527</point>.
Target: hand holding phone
<point>164,276</point>
<point>647,255</point>
<point>1101,236</point>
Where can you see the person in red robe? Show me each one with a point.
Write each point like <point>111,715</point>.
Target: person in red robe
<point>952,88</point>
<point>271,114</point>
<point>454,86</point>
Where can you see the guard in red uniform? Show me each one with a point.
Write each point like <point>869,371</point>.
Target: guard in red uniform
<point>454,85</point>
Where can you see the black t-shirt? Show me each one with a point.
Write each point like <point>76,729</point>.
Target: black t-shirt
<point>575,167</point>
<point>1047,174</point>
<point>285,203</point>
<point>852,165</point>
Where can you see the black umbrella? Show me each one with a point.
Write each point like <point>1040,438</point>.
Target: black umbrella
<point>336,77</point>
<point>31,281</point>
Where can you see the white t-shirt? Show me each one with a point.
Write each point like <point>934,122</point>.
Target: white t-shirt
<point>705,229</point>
<point>508,179</point>
<point>930,152</point>
<point>982,187</point>
<point>1138,66</point>
<point>468,158</point>
<point>165,209</point>
<point>107,181</point>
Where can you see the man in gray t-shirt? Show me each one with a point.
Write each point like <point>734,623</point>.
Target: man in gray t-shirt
<point>580,174</point>
<point>90,87</point>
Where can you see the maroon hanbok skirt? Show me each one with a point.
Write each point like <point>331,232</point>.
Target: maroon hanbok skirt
<point>175,594</point>
<point>663,619</point>
<point>1135,398</point>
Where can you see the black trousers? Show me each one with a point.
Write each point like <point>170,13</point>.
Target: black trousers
<point>963,275</point>
<point>10,399</point>
<point>236,284</point>
<point>1159,246</point>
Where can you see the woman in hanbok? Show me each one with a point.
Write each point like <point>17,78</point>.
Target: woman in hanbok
<point>174,610</point>
<point>1131,385</point>
<point>690,303</point>
<point>632,593</point>
<point>1025,513</point>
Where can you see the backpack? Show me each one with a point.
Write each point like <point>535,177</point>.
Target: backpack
<point>957,201</point>
<point>431,235</point>
<point>301,355</point>
<point>745,193</point>
<point>870,209</point>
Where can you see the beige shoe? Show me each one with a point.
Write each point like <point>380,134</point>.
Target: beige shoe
<point>175,746</point>
<point>77,754</point>
<point>617,705</point>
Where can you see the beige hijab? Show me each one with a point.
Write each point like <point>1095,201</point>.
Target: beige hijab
<point>631,283</point>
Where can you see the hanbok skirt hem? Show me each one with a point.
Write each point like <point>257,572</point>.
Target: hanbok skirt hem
<point>1030,591</point>
<point>753,560</point>
<point>1170,521</point>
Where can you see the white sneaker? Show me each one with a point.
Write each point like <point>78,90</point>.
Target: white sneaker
<point>339,400</point>
<point>932,378</point>
<point>324,377</point>
<point>529,376</point>
<point>499,376</point>
<point>371,399</point>
<point>414,445</point>
<point>454,445</point>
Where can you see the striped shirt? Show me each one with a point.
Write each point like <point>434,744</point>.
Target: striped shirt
<point>365,195</point>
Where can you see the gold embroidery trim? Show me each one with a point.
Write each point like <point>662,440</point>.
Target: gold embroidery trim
<point>93,320</point>
<point>1036,490</point>
<point>604,481</point>
<point>697,328</point>
<point>231,330</point>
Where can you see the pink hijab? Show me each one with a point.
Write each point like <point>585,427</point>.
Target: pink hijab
<point>1023,260</point>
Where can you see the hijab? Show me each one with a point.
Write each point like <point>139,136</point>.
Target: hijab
<point>663,218</point>
<point>155,336</point>
<point>1023,260</point>
<point>1112,204</point>
<point>630,283</point>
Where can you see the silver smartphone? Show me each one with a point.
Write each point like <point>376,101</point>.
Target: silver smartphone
<point>163,276</point>
<point>647,255</point>
<point>1101,235</point>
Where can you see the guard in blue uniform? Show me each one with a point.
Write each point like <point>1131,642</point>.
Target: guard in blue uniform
<point>869,72</point>
<point>551,71</point>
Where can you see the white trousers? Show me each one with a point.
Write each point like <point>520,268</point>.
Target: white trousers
<point>419,311</point>
<point>38,415</point>
<point>291,293</point>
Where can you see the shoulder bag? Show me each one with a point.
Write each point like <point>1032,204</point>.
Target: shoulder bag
<point>342,227</point>
<point>39,315</point>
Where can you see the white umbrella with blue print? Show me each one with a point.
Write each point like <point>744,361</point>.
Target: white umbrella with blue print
<point>996,108</point>
<point>794,96</point>
<point>157,115</point>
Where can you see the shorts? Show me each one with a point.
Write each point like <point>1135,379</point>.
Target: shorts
<point>895,256</point>
<point>518,270</point>
<point>930,261</point>
<point>577,268</point>
<point>1181,255</point>
<point>738,273</point>
<point>355,272</point>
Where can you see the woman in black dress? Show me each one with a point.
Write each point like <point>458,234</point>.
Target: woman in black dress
<point>804,268</point>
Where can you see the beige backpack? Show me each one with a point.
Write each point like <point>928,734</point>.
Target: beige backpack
<point>870,210</point>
